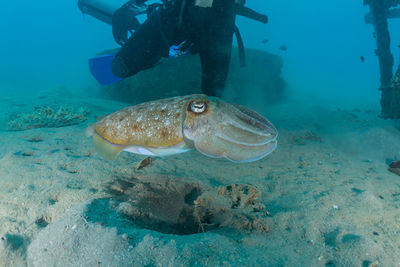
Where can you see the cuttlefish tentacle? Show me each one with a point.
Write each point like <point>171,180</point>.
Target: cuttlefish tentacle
<point>241,128</point>
<point>175,125</point>
<point>230,131</point>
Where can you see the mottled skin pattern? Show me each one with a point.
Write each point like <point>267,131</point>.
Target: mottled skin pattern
<point>174,125</point>
<point>152,124</point>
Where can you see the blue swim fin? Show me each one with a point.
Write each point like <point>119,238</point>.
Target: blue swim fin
<point>100,67</point>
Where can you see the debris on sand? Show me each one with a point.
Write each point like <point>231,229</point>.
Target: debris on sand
<point>46,117</point>
<point>306,136</point>
<point>394,167</point>
<point>144,163</point>
<point>33,139</point>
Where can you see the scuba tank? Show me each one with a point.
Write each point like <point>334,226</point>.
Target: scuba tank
<point>104,9</point>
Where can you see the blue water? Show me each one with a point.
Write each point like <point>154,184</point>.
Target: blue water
<point>327,186</point>
<point>47,43</point>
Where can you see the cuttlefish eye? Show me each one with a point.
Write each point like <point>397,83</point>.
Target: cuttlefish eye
<point>197,106</point>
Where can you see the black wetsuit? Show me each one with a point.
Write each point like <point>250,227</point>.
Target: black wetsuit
<point>209,29</point>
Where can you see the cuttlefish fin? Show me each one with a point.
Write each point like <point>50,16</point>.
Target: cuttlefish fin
<point>216,147</point>
<point>106,149</point>
<point>89,131</point>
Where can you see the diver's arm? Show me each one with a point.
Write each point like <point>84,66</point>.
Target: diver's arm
<point>124,19</point>
<point>137,6</point>
<point>250,13</point>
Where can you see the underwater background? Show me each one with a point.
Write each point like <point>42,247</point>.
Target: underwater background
<point>325,197</point>
<point>47,43</point>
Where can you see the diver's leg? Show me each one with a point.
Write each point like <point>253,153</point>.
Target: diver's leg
<point>215,61</point>
<point>216,46</point>
<point>146,46</point>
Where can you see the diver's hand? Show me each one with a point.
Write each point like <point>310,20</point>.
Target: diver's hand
<point>124,20</point>
<point>151,8</point>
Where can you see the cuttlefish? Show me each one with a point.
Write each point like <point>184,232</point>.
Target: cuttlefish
<point>169,126</point>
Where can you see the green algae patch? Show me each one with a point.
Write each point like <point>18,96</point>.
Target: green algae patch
<point>47,117</point>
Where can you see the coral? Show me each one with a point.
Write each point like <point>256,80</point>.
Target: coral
<point>45,116</point>
<point>232,206</point>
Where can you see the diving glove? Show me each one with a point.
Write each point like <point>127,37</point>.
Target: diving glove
<point>124,19</point>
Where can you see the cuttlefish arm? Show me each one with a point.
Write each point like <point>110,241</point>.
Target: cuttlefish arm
<point>222,130</point>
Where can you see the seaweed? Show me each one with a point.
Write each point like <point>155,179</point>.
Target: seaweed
<point>47,117</point>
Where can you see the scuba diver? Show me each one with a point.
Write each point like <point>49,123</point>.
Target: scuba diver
<point>189,27</point>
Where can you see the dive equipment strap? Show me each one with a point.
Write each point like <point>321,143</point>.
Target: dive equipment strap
<point>251,14</point>
<point>242,55</point>
<point>182,8</point>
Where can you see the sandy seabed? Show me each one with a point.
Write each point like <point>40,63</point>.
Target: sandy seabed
<point>330,197</point>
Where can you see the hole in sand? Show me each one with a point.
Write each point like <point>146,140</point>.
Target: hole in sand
<point>166,207</point>
<point>169,205</point>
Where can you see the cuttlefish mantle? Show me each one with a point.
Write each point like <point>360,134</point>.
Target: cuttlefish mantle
<point>174,125</point>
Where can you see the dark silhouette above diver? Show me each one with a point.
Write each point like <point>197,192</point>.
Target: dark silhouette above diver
<point>174,28</point>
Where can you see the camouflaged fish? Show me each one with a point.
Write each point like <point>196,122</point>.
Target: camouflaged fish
<point>175,125</point>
